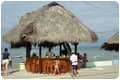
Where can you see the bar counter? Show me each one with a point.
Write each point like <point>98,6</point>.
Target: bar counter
<point>46,65</point>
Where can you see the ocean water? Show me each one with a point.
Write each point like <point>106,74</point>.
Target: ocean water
<point>93,53</point>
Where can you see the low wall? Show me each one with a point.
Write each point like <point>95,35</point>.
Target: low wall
<point>101,63</point>
<point>115,61</point>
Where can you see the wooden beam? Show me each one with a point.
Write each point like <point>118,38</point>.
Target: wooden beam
<point>28,49</point>
<point>69,46</point>
<point>60,49</point>
<point>75,44</point>
<point>40,51</point>
<point>40,59</point>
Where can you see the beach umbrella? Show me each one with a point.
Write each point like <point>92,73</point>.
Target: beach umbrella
<point>112,43</point>
<point>51,24</point>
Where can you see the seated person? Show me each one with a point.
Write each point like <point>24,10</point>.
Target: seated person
<point>53,56</point>
<point>64,52</point>
<point>50,53</point>
<point>33,55</point>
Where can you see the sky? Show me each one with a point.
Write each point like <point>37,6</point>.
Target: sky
<point>100,16</point>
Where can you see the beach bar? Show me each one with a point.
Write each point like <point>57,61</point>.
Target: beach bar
<point>112,43</point>
<point>49,26</point>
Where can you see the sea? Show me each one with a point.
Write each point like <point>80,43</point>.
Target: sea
<point>93,53</point>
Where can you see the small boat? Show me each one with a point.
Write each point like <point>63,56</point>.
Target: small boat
<point>21,56</point>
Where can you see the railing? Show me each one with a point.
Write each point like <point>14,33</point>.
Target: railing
<point>47,65</point>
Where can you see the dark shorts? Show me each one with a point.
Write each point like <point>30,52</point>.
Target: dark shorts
<point>74,67</point>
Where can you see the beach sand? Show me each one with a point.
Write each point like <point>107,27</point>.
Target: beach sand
<point>103,72</point>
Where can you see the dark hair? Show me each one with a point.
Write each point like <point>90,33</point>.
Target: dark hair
<point>34,54</point>
<point>85,54</point>
<point>6,49</point>
<point>57,58</point>
<point>78,54</point>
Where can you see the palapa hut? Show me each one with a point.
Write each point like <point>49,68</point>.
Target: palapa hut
<point>49,26</point>
<point>112,43</point>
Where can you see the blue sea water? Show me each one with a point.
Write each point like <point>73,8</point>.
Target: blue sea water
<point>93,53</point>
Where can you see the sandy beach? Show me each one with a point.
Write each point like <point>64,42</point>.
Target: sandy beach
<point>103,72</point>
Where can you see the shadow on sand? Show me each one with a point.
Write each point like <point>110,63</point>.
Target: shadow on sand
<point>14,71</point>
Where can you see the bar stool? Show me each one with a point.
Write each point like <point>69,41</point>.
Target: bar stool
<point>28,64</point>
<point>52,66</point>
<point>34,65</point>
<point>46,67</point>
<point>31,65</point>
<point>37,65</point>
<point>62,66</point>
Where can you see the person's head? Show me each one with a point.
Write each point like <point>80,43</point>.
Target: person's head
<point>85,54</point>
<point>34,54</point>
<point>73,52</point>
<point>53,54</point>
<point>56,58</point>
<point>6,49</point>
<point>78,54</point>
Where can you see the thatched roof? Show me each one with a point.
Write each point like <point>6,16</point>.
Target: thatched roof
<point>112,43</point>
<point>51,23</point>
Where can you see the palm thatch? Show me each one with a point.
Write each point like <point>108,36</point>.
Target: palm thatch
<point>112,43</point>
<point>51,23</point>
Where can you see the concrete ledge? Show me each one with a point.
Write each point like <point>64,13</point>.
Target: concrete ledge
<point>98,63</point>
<point>22,66</point>
<point>115,61</point>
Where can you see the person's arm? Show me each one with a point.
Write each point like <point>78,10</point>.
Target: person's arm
<point>70,59</point>
<point>9,55</point>
<point>1,56</point>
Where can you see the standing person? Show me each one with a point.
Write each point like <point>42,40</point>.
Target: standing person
<point>10,63</point>
<point>56,65</point>
<point>49,52</point>
<point>85,60</point>
<point>80,58</point>
<point>5,56</point>
<point>74,59</point>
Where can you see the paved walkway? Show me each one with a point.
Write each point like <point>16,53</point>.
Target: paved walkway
<point>103,72</point>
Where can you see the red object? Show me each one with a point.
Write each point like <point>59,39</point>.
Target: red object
<point>84,60</point>
<point>56,73</point>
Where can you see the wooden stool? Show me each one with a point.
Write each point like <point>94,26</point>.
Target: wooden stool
<point>34,65</point>
<point>28,64</point>
<point>62,66</point>
<point>46,67</point>
<point>52,66</point>
<point>37,65</point>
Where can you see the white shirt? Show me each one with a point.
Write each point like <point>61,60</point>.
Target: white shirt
<point>74,59</point>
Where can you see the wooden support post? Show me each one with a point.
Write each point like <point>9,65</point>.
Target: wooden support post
<point>60,49</point>
<point>69,47</point>
<point>75,47</point>
<point>40,51</point>
<point>40,59</point>
<point>28,49</point>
